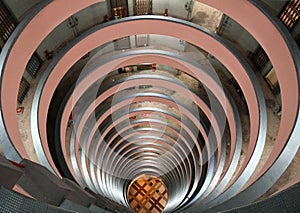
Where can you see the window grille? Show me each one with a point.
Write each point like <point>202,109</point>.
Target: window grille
<point>260,58</point>
<point>34,65</point>
<point>141,40</point>
<point>290,14</point>
<point>7,23</point>
<point>23,90</point>
<point>142,7</point>
<point>119,8</point>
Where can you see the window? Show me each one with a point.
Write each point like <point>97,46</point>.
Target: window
<point>34,65</point>
<point>142,7</point>
<point>119,8</point>
<point>141,40</point>
<point>7,24</point>
<point>260,58</point>
<point>23,90</point>
<point>290,14</point>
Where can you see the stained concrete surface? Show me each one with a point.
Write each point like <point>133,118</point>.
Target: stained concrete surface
<point>206,16</point>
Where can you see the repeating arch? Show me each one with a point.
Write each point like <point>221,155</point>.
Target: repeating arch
<point>106,151</point>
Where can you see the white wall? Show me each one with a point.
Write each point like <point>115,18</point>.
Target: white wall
<point>130,7</point>
<point>161,41</point>
<point>167,41</point>
<point>176,8</point>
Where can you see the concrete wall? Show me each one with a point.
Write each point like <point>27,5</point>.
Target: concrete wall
<point>296,30</point>
<point>60,34</point>
<point>275,5</point>
<point>93,14</point>
<point>206,16</point>
<point>232,31</point>
<point>158,41</point>
<point>20,8</point>
<point>167,41</point>
<point>63,33</point>
<point>235,33</point>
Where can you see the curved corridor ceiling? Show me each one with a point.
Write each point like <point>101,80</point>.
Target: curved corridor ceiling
<point>122,130</point>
